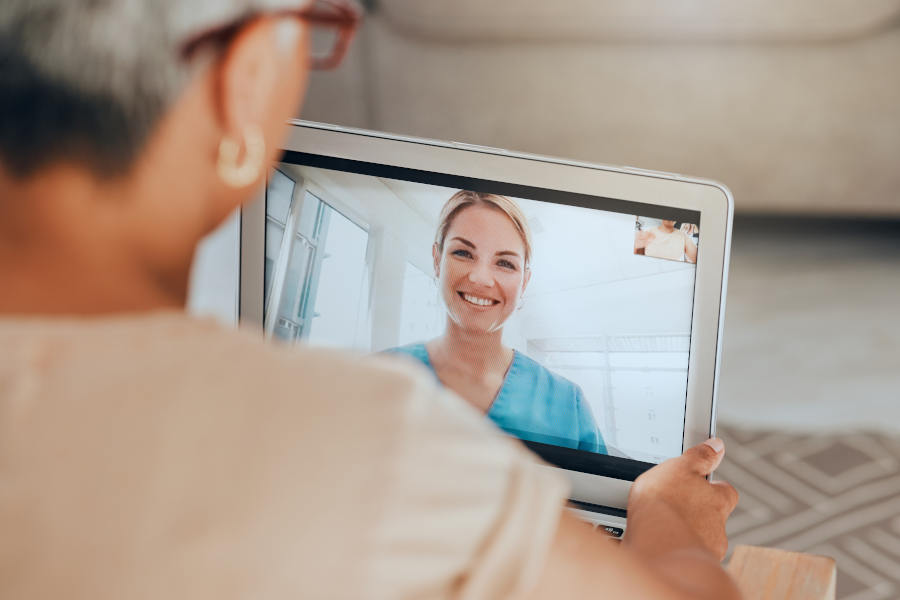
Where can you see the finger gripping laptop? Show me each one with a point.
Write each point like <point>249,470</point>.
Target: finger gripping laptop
<point>599,290</point>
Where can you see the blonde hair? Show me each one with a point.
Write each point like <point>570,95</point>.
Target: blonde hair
<point>463,199</point>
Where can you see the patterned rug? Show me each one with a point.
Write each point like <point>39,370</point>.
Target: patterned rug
<point>836,495</point>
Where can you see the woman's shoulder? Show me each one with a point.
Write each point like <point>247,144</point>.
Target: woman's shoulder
<point>182,362</point>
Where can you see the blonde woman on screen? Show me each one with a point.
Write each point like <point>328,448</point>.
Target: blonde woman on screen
<point>482,257</point>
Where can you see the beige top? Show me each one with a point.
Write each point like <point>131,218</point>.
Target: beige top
<point>161,457</point>
<point>666,244</point>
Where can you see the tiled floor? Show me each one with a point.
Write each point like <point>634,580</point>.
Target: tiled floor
<point>812,336</point>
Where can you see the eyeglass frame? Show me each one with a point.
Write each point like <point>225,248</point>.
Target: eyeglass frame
<point>343,15</point>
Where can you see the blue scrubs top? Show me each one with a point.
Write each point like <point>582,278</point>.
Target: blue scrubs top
<point>535,404</point>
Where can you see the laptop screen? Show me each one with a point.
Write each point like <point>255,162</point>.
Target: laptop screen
<point>564,318</point>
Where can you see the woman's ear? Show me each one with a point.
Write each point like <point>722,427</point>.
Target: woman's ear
<point>436,257</point>
<point>259,82</point>
<point>526,279</point>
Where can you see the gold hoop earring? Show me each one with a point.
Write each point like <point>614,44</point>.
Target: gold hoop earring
<point>241,175</point>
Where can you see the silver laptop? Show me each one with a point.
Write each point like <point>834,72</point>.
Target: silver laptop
<point>602,289</point>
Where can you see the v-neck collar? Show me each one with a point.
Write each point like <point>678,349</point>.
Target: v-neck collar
<point>503,386</point>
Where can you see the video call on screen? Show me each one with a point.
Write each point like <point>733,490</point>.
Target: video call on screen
<point>598,318</point>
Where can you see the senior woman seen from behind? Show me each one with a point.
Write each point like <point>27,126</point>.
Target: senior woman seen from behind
<point>146,454</point>
<point>482,260</point>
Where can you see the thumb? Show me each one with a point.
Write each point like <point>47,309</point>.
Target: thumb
<point>704,458</point>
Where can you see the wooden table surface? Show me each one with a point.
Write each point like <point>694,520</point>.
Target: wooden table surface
<point>770,574</point>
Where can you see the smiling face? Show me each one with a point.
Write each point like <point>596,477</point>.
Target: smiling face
<point>481,269</point>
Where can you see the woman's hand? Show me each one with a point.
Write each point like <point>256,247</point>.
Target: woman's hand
<point>674,507</point>
<point>673,546</point>
<point>690,250</point>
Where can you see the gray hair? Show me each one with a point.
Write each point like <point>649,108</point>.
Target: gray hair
<point>87,81</point>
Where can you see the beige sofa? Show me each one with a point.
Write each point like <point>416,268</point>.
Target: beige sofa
<point>793,104</point>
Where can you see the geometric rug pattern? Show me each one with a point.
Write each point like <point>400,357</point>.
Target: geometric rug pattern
<point>832,494</point>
